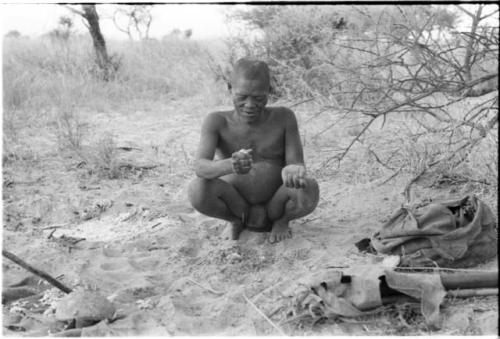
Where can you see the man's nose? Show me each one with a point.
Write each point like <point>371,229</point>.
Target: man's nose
<point>250,102</point>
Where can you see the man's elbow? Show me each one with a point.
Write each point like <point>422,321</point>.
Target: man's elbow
<point>201,171</point>
<point>198,170</point>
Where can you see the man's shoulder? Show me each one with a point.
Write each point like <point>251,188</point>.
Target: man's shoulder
<point>219,114</point>
<point>280,109</point>
<point>281,113</point>
<point>217,118</point>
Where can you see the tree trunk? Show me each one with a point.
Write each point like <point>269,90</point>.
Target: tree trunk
<point>469,50</point>
<point>102,58</point>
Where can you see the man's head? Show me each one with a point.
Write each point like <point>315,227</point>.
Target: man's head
<point>250,83</point>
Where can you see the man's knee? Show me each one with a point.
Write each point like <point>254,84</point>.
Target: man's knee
<point>310,196</point>
<point>198,192</point>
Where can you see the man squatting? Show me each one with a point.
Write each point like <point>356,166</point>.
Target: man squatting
<point>258,179</point>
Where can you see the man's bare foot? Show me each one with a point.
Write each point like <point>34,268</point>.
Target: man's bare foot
<point>236,229</point>
<point>257,219</point>
<point>280,232</point>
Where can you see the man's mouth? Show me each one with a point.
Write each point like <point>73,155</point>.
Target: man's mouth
<point>249,114</point>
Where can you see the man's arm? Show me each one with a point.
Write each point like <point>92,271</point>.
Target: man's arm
<point>294,173</point>
<point>205,166</point>
<point>293,146</point>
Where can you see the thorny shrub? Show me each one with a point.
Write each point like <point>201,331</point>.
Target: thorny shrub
<point>409,64</point>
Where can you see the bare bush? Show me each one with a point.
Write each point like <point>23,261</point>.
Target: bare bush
<point>409,64</point>
<point>71,131</point>
<point>133,20</point>
<point>102,155</point>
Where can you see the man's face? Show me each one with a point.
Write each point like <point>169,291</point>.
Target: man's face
<point>250,98</point>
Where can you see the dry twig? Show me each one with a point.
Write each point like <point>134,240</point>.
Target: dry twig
<point>205,287</point>
<point>36,271</point>
<point>258,295</point>
<point>264,316</point>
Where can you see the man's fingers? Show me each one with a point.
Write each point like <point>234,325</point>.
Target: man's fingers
<point>302,172</point>
<point>283,177</point>
<point>296,182</point>
<point>241,166</point>
<point>285,180</point>
<point>243,169</point>
<point>302,183</point>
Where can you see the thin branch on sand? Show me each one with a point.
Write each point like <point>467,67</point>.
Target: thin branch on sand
<point>205,287</point>
<point>472,292</point>
<point>258,295</point>
<point>38,272</point>
<point>443,269</point>
<point>53,227</point>
<point>265,317</point>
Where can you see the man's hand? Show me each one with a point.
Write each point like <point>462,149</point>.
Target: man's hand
<point>242,161</point>
<point>294,176</point>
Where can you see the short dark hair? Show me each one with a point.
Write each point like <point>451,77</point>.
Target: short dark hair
<point>251,69</point>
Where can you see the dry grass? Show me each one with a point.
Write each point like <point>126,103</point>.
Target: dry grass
<point>50,85</point>
<point>46,73</point>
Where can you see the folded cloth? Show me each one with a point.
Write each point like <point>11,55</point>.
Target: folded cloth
<point>452,233</point>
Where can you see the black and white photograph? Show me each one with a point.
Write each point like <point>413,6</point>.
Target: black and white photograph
<point>250,169</point>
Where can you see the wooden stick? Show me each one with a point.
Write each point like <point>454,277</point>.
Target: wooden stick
<point>52,227</point>
<point>466,280</point>
<point>472,292</point>
<point>265,317</point>
<point>38,272</point>
<point>258,295</point>
<point>443,269</point>
<point>204,287</point>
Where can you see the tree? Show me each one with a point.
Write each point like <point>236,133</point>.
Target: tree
<point>188,33</point>
<point>476,38</point>
<point>63,31</point>
<point>134,20</point>
<point>14,34</point>
<point>391,61</point>
<point>103,61</point>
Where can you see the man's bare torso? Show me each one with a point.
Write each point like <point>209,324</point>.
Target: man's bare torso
<point>267,141</point>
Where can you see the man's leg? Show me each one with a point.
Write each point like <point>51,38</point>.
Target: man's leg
<point>289,204</point>
<point>219,199</point>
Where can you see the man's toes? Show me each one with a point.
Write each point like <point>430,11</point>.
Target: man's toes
<point>236,229</point>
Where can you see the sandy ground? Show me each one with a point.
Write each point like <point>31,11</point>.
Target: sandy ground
<point>174,271</point>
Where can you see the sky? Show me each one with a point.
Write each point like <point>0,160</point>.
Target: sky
<point>206,21</point>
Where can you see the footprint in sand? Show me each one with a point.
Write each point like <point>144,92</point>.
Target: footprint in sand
<point>112,252</point>
<point>112,266</point>
<point>190,247</point>
<point>144,264</point>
